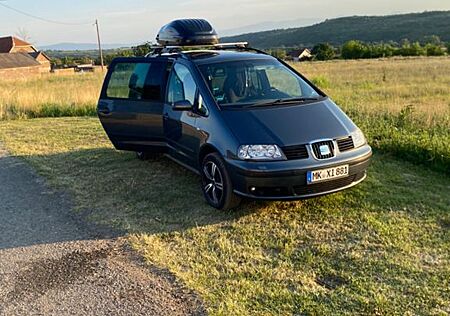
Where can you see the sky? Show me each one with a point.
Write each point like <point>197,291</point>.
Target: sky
<point>138,21</point>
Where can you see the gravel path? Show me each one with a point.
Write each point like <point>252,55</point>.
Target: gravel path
<point>52,263</point>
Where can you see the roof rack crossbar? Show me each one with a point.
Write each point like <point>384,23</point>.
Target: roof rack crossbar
<point>159,50</point>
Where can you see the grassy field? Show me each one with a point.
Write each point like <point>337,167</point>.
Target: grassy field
<point>380,248</point>
<point>403,105</point>
<point>50,96</point>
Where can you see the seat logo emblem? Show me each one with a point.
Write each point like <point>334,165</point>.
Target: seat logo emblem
<point>324,150</point>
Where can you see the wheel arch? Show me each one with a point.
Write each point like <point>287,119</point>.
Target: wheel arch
<point>205,150</point>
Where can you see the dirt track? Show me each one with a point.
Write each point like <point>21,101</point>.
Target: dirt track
<point>54,263</point>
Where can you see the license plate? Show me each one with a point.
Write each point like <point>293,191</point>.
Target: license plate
<point>326,174</point>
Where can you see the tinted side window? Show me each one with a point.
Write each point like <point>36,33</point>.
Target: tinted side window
<point>181,85</point>
<point>136,81</point>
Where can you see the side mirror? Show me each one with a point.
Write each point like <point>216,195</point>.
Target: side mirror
<point>183,105</point>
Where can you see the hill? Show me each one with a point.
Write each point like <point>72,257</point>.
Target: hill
<point>413,26</point>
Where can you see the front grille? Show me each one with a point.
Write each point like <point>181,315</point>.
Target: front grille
<point>328,185</point>
<point>316,149</point>
<point>345,144</point>
<point>295,152</point>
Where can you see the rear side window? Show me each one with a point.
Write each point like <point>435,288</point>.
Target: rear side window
<point>136,81</point>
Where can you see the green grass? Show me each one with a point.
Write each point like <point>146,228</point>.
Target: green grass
<point>407,137</point>
<point>380,248</point>
<point>402,105</point>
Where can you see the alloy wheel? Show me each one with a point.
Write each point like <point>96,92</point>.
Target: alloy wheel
<point>213,184</point>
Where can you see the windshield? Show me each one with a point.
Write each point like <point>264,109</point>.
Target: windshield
<point>240,83</point>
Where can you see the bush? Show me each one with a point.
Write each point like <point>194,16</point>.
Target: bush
<point>434,50</point>
<point>323,51</point>
<point>142,50</point>
<point>358,49</point>
<point>408,49</point>
<point>354,50</point>
<point>278,53</point>
<point>433,39</point>
<point>379,50</point>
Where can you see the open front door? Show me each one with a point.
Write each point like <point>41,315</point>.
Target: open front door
<point>131,104</point>
<point>182,135</point>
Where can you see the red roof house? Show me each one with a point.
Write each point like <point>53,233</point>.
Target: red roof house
<point>18,57</point>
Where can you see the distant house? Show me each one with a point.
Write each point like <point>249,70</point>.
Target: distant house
<point>300,54</point>
<point>19,58</point>
<point>88,68</point>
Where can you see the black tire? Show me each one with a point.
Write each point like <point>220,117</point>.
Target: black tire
<point>216,183</point>
<point>141,155</point>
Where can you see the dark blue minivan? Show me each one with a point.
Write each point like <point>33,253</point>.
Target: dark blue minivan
<point>248,123</point>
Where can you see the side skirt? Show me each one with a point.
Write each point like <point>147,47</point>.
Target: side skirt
<point>183,164</point>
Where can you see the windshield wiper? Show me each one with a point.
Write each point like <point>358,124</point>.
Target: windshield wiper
<point>281,101</point>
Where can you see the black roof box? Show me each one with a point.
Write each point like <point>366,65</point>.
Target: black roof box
<point>187,32</point>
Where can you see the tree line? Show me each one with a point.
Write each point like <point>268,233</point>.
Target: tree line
<point>355,49</point>
<point>73,58</point>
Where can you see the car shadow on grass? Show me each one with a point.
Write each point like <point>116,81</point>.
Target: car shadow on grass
<point>113,188</point>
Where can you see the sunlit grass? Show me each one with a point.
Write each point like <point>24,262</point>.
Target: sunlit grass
<point>387,85</point>
<point>380,248</point>
<point>402,105</point>
<point>50,96</point>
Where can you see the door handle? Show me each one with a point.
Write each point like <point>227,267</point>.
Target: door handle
<point>104,112</point>
<point>166,116</point>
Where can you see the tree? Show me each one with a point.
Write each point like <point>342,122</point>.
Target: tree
<point>67,61</point>
<point>416,49</point>
<point>142,50</point>
<point>56,62</point>
<point>434,50</point>
<point>408,49</point>
<point>323,51</point>
<point>433,39</point>
<point>380,50</point>
<point>23,33</point>
<point>108,58</point>
<point>354,50</point>
<point>278,53</point>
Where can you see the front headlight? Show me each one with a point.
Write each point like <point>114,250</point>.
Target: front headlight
<point>260,152</point>
<point>358,138</point>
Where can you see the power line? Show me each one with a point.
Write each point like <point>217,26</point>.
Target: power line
<point>42,19</point>
<point>61,23</point>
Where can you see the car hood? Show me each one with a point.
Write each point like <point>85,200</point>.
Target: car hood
<point>287,125</point>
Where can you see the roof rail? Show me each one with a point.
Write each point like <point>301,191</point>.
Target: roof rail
<point>240,47</point>
<point>159,50</point>
<point>231,45</point>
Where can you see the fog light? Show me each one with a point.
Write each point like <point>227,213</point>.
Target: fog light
<point>252,189</point>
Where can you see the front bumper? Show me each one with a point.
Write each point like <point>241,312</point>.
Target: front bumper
<point>286,180</point>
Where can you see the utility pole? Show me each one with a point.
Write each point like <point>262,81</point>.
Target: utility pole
<point>99,45</point>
